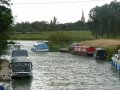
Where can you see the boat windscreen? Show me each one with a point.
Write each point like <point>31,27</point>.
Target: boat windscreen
<point>101,52</point>
<point>21,67</point>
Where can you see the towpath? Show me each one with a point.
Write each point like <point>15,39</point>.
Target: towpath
<point>5,71</point>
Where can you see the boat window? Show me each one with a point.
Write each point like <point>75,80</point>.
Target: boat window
<point>21,67</point>
<point>101,52</point>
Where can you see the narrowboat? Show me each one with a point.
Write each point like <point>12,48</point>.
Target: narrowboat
<point>5,86</point>
<point>100,54</point>
<point>20,65</point>
<point>116,61</point>
<point>84,50</point>
<point>40,47</point>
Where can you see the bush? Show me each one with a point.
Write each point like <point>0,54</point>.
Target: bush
<point>60,37</point>
<point>111,51</point>
<point>55,47</point>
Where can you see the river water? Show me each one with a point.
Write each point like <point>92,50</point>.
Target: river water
<point>64,71</point>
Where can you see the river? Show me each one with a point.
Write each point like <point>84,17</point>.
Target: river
<point>64,71</point>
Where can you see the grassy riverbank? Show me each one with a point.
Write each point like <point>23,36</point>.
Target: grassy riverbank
<point>60,39</point>
<point>112,46</point>
<point>57,39</point>
<point>76,35</point>
<point>4,70</point>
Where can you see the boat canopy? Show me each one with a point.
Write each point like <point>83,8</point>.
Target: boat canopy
<point>18,53</point>
<point>41,45</point>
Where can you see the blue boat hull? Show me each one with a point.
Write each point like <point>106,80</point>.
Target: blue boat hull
<point>116,65</point>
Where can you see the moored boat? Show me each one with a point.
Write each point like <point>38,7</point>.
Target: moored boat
<point>100,54</point>
<point>40,47</point>
<point>20,65</point>
<point>116,61</point>
<point>84,50</point>
<point>72,46</point>
<point>5,86</point>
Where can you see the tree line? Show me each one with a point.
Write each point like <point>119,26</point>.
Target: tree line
<point>39,26</point>
<point>105,20</point>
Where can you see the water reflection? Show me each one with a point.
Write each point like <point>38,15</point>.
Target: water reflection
<point>21,84</point>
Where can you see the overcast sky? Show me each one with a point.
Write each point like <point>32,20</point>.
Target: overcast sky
<point>64,10</point>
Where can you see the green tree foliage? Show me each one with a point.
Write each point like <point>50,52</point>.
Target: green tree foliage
<point>39,26</point>
<point>60,37</point>
<point>5,21</point>
<point>105,20</point>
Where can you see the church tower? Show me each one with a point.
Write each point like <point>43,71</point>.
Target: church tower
<point>83,18</point>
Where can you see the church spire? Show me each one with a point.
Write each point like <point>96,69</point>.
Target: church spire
<point>83,18</point>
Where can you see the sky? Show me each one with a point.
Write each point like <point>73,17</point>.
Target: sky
<point>44,10</point>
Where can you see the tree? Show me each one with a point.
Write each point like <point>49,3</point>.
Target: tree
<point>106,19</point>
<point>6,20</point>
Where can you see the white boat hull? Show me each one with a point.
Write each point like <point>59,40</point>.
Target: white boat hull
<point>40,50</point>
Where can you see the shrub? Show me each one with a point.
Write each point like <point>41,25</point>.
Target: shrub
<point>111,51</point>
<point>60,37</point>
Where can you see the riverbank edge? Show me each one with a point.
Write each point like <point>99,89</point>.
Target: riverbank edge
<point>5,71</point>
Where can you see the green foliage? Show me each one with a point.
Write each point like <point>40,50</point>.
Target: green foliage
<point>5,21</point>
<point>39,26</point>
<point>112,51</point>
<point>76,35</point>
<point>105,20</point>
<point>55,46</point>
<point>60,37</point>
<point>63,39</point>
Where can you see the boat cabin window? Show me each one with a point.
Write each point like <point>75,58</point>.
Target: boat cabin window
<point>101,52</point>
